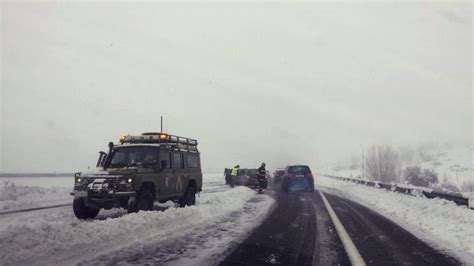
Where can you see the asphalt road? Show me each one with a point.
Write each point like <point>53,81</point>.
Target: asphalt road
<point>300,232</point>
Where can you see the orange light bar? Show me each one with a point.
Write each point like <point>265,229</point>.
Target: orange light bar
<point>122,138</point>
<point>163,136</point>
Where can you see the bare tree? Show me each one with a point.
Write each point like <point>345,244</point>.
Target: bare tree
<point>382,163</point>
<point>420,177</point>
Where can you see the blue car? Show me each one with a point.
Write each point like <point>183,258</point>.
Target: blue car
<point>297,177</point>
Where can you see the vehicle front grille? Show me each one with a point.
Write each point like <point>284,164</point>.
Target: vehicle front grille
<point>111,180</point>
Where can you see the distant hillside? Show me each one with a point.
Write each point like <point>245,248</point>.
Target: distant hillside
<point>454,165</point>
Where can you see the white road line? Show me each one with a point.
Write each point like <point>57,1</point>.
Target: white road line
<point>351,250</point>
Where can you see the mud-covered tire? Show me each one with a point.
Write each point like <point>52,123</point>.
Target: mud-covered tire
<point>189,198</point>
<point>132,208</point>
<point>145,201</point>
<point>82,211</point>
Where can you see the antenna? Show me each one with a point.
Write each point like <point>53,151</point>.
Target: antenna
<point>161,124</point>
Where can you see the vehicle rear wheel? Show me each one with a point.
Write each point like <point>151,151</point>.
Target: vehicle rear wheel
<point>189,198</point>
<point>82,211</point>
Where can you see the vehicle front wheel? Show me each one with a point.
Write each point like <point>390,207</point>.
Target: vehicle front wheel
<point>189,198</point>
<point>145,200</point>
<point>82,211</point>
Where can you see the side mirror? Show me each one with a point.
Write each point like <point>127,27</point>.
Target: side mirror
<point>104,159</point>
<point>101,158</point>
<point>163,164</point>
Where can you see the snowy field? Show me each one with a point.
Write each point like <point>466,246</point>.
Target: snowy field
<point>197,235</point>
<point>29,192</point>
<point>441,223</point>
<point>44,182</point>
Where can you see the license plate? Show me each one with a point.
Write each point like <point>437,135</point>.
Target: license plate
<point>80,193</point>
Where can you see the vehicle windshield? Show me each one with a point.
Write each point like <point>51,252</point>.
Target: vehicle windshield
<point>299,170</point>
<point>134,156</point>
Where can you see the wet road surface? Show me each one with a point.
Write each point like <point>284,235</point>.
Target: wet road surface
<point>300,232</point>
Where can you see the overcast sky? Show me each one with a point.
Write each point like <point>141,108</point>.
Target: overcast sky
<point>281,83</point>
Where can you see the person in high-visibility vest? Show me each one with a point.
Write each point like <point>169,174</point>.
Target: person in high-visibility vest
<point>233,173</point>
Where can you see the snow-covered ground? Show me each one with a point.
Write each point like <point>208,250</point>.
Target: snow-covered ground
<point>14,195</point>
<point>456,165</point>
<point>197,235</point>
<point>441,223</point>
<point>44,182</point>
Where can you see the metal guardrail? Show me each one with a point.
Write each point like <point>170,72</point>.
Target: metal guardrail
<point>411,190</point>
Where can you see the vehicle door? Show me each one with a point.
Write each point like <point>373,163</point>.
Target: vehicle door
<point>193,169</point>
<point>165,174</point>
<point>179,177</point>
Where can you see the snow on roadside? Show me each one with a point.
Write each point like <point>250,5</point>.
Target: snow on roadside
<point>13,196</point>
<point>59,238</point>
<point>441,223</point>
<point>206,243</point>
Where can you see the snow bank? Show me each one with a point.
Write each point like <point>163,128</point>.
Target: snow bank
<point>441,223</point>
<point>58,237</point>
<point>14,196</point>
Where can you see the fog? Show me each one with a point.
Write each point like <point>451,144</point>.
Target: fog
<point>277,83</point>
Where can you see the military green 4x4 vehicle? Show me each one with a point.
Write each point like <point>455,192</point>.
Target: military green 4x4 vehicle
<point>138,171</point>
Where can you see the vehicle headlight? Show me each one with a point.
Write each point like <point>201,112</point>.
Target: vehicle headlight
<point>77,177</point>
<point>129,180</point>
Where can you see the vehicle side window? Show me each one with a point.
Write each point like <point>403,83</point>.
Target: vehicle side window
<point>165,156</point>
<point>178,160</point>
<point>192,160</point>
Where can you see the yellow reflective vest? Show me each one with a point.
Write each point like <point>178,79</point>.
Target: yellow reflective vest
<point>234,171</point>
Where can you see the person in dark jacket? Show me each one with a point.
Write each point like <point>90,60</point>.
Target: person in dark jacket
<point>261,174</point>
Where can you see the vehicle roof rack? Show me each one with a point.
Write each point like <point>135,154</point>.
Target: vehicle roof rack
<point>175,142</point>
